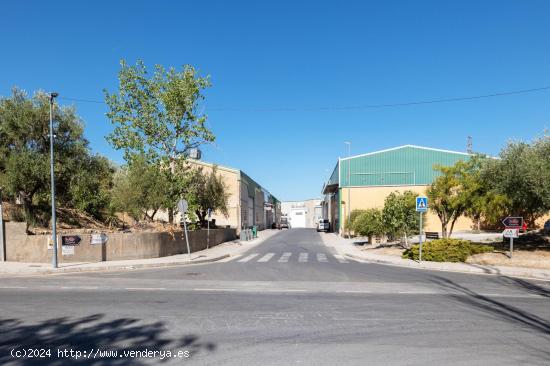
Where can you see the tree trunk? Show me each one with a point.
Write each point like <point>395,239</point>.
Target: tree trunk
<point>171,215</point>
<point>453,225</point>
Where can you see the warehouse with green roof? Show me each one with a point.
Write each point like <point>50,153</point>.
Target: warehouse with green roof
<point>364,181</point>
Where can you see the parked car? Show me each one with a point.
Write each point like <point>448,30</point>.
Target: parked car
<point>284,223</point>
<point>323,225</point>
<point>547,227</point>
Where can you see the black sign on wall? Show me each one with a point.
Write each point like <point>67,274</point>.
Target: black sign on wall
<point>70,240</point>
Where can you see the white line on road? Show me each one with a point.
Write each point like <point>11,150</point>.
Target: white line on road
<point>340,258</point>
<point>266,257</point>
<point>145,288</point>
<point>303,257</point>
<point>322,257</point>
<point>247,258</point>
<point>285,257</point>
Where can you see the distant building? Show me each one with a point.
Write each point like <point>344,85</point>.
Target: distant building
<point>367,179</point>
<point>302,213</point>
<point>249,203</point>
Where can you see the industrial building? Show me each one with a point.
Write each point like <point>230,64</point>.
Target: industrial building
<point>364,181</point>
<point>249,203</point>
<point>302,213</point>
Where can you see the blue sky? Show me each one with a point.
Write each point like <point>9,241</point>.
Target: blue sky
<point>307,57</point>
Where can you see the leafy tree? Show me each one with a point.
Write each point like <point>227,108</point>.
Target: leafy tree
<point>90,185</point>
<point>485,204</point>
<point>25,149</point>
<point>399,215</point>
<point>449,196</point>
<point>157,117</point>
<point>208,191</point>
<point>140,189</point>
<point>353,215</point>
<point>369,223</point>
<point>522,174</point>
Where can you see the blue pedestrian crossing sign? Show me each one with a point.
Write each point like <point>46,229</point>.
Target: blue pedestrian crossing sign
<point>421,204</point>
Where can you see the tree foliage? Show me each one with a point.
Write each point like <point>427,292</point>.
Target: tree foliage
<point>369,223</point>
<point>156,116</point>
<point>399,215</point>
<point>25,156</point>
<point>522,174</point>
<point>140,189</point>
<point>353,215</point>
<point>208,191</point>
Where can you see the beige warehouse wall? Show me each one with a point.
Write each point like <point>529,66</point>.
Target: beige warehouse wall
<point>231,179</point>
<point>373,197</point>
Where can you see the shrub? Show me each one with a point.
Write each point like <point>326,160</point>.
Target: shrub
<point>369,223</point>
<point>353,215</point>
<point>446,250</point>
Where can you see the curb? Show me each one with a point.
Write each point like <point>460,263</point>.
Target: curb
<point>479,271</point>
<point>117,267</point>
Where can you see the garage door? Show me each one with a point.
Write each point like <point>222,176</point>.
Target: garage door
<point>298,218</point>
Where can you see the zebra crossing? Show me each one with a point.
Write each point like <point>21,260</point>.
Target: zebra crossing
<point>303,257</point>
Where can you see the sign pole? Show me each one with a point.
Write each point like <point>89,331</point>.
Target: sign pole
<point>2,243</point>
<point>186,238</point>
<point>420,236</point>
<point>208,235</point>
<point>511,246</point>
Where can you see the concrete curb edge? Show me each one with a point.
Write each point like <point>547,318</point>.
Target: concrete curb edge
<point>120,267</point>
<point>478,271</point>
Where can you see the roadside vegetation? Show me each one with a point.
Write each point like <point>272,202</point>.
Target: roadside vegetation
<point>447,250</point>
<point>156,123</point>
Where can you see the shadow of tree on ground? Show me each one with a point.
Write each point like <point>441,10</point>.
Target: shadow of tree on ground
<point>494,307</point>
<point>92,332</point>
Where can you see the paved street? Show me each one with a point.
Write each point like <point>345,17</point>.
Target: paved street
<point>290,300</point>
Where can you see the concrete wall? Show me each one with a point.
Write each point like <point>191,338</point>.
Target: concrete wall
<point>21,247</point>
<point>373,197</point>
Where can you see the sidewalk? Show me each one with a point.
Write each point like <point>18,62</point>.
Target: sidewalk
<point>346,247</point>
<point>219,252</point>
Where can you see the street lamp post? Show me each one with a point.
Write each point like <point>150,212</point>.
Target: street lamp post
<point>349,186</point>
<point>52,180</point>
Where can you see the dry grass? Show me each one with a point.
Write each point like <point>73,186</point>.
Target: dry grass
<point>389,250</point>
<point>522,258</point>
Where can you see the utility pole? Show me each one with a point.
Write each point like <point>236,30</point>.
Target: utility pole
<point>349,186</point>
<point>52,180</point>
<point>2,243</point>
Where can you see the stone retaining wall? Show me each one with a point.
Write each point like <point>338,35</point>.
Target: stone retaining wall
<point>21,247</point>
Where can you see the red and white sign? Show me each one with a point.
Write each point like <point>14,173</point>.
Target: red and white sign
<point>511,233</point>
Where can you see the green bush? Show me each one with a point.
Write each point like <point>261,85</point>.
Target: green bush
<point>369,223</point>
<point>447,250</point>
<point>353,215</point>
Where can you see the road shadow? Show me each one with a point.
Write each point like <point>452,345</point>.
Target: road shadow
<point>494,307</point>
<point>93,332</point>
<point>525,285</point>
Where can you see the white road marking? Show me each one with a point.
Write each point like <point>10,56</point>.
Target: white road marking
<point>145,288</point>
<point>266,257</point>
<point>285,257</point>
<point>303,257</point>
<point>322,257</point>
<point>247,258</point>
<point>340,258</point>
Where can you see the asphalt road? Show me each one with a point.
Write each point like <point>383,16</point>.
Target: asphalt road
<point>290,300</point>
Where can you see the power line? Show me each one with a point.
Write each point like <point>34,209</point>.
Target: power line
<point>351,107</point>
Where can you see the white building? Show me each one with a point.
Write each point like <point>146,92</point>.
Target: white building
<point>302,213</point>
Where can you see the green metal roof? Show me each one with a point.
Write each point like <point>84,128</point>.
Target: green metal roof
<point>403,165</point>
